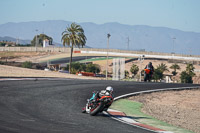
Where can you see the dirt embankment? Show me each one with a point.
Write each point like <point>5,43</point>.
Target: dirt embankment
<point>10,71</point>
<point>179,108</point>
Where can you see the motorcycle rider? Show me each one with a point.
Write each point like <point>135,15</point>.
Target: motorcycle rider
<point>107,92</point>
<point>149,69</point>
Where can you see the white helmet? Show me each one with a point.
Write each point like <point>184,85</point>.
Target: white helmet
<point>109,88</point>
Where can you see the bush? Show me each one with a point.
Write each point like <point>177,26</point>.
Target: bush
<point>27,64</point>
<point>1,63</point>
<point>186,78</point>
<point>158,74</point>
<point>134,69</point>
<point>76,67</point>
<point>126,74</point>
<point>92,68</point>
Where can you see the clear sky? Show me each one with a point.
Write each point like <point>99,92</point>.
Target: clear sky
<point>178,14</point>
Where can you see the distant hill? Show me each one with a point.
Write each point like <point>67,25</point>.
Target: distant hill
<point>157,39</point>
<point>11,39</point>
<point>20,41</point>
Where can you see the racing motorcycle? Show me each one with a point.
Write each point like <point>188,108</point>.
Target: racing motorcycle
<point>95,107</point>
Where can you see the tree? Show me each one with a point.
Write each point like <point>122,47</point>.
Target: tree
<point>76,67</point>
<point>174,67</point>
<point>93,68</point>
<point>73,36</point>
<point>158,74</point>
<point>186,76</point>
<point>126,74</point>
<point>2,44</point>
<point>38,40</point>
<point>190,69</point>
<point>162,67</point>
<point>134,69</point>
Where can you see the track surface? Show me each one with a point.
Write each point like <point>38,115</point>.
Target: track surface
<point>54,106</point>
<point>76,58</point>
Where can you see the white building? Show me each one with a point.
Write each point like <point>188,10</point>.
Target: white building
<point>45,43</point>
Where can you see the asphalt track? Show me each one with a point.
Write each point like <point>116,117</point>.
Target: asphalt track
<point>54,106</point>
<point>74,59</point>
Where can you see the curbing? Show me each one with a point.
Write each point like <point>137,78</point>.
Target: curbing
<point>121,116</point>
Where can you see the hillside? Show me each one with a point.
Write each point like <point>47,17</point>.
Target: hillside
<point>157,39</point>
<point>11,39</point>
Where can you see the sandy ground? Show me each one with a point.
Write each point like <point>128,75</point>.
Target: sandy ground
<point>179,108</point>
<point>10,71</point>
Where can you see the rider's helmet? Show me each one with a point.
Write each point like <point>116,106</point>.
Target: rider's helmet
<point>109,88</point>
<point>149,65</point>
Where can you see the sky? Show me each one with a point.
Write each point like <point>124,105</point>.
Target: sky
<point>177,14</point>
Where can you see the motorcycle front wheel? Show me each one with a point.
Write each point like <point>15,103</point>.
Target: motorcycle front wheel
<point>97,109</point>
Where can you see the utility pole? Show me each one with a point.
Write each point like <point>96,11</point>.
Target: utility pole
<point>174,38</point>
<point>108,36</point>
<point>173,49</point>
<point>17,41</point>
<point>36,40</point>
<point>141,59</point>
<point>128,43</point>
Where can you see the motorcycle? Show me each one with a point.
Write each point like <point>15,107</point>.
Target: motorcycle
<point>95,107</point>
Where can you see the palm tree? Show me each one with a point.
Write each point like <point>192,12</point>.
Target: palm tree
<point>162,67</point>
<point>190,69</point>
<point>73,36</point>
<point>186,76</point>
<point>175,67</point>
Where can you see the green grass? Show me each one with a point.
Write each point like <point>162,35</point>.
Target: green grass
<point>98,59</point>
<point>133,109</point>
<point>90,60</point>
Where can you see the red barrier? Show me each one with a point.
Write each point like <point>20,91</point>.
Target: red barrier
<point>87,74</point>
<point>77,51</point>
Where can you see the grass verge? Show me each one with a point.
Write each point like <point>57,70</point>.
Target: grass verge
<point>133,110</point>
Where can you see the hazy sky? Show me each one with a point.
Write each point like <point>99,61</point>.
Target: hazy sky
<point>178,14</point>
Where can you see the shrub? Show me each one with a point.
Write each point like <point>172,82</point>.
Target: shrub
<point>134,69</point>
<point>1,63</point>
<point>158,74</point>
<point>93,68</point>
<point>76,67</point>
<point>27,64</point>
<point>126,74</point>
